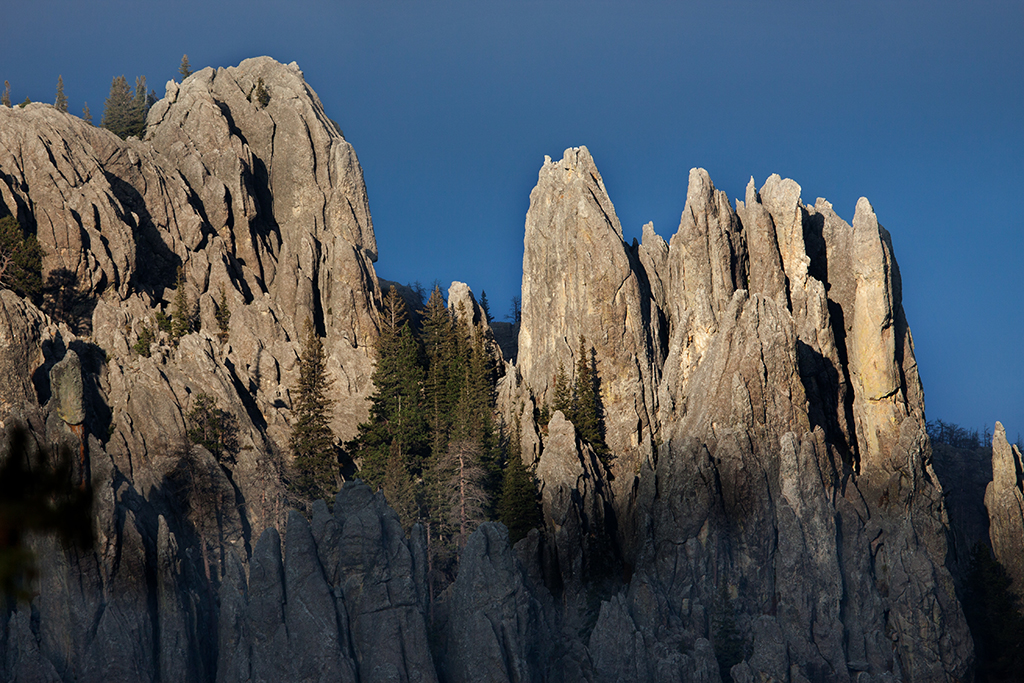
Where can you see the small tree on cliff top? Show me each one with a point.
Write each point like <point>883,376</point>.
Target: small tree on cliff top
<point>61,101</point>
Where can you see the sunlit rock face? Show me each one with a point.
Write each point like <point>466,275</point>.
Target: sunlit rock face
<point>579,281</point>
<point>262,206</point>
<point>767,509</point>
<point>788,466</point>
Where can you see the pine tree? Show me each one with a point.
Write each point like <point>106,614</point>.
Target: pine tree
<point>400,489</point>
<point>61,103</point>
<point>21,260</point>
<point>5,98</point>
<point>141,102</point>
<point>261,93</point>
<point>480,382</point>
<point>466,472</point>
<point>563,398</point>
<point>86,114</point>
<point>484,306</point>
<point>223,316</point>
<point>588,412</point>
<point>312,442</point>
<point>212,428</point>
<point>518,507</point>
<point>445,352</point>
<point>463,482</point>
<point>396,424</point>
<point>185,69</point>
<point>117,112</point>
<point>181,314</point>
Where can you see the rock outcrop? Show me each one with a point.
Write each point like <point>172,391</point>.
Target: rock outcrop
<point>579,282</point>
<point>791,493</point>
<point>766,510</point>
<point>1004,499</point>
<point>260,205</point>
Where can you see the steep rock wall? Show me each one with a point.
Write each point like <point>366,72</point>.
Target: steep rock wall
<point>792,489</point>
<point>768,510</point>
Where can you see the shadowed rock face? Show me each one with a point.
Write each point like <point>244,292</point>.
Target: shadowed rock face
<point>768,510</point>
<point>1004,499</point>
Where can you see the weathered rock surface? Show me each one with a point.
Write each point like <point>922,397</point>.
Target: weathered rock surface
<point>263,203</point>
<point>792,490</point>
<point>494,628</point>
<point>579,281</point>
<point>768,509</point>
<point>1004,499</point>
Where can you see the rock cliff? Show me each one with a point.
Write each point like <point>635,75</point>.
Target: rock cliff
<point>767,510</point>
<point>788,484</point>
<point>1004,501</point>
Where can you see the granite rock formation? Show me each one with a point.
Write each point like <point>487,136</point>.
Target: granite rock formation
<point>787,485</point>
<point>767,511</point>
<point>1004,500</point>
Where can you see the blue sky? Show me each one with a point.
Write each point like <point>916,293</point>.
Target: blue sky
<point>451,107</point>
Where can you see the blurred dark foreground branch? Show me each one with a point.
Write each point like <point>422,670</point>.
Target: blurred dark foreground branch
<point>37,496</point>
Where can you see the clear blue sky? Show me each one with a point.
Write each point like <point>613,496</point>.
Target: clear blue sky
<point>451,106</point>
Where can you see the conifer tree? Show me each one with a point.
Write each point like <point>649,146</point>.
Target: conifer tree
<point>61,103</point>
<point>124,113</point>
<point>181,314</point>
<point>223,316</point>
<point>261,93</point>
<point>312,442</point>
<point>185,69</point>
<point>588,411</point>
<point>117,112</point>
<point>480,382</point>
<point>518,508</point>
<point>400,489</point>
<point>21,260</point>
<point>396,425</point>
<point>212,428</point>
<point>563,399</point>
<point>5,98</point>
<point>485,307</point>
<point>141,102</point>
<point>464,483</point>
<point>445,353</point>
<point>86,114</point>
<point>461,477</point>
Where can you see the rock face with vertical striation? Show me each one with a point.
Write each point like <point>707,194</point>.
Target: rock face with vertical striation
<point>766,509</point>
<point>1004,499</point>
<point>262,206</point>
<point>791,494</point>
<point>579,281</point>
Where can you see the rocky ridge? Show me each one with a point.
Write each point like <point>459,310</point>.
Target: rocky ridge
<point>784,435</point>
<point>769,511</point>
